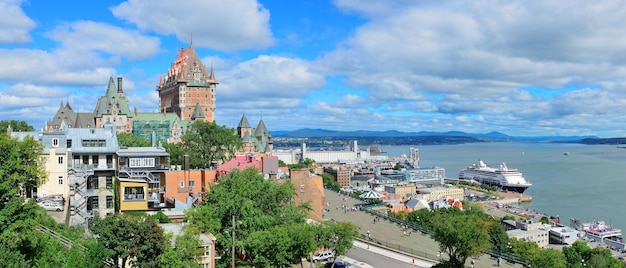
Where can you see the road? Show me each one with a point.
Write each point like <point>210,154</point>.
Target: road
<point>369,256</point>
<point>390,234</point>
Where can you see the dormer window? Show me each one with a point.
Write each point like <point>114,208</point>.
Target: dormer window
<point>55,142</point>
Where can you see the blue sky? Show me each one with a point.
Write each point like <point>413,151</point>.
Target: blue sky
<point>518,67</point>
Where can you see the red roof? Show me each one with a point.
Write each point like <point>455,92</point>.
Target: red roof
<point>240,162</point>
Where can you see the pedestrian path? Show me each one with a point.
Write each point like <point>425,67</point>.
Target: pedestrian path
<point>390,234</point>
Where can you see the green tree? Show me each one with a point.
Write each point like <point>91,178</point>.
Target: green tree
<point>21,169</point>
<point>130,140</point>
<point>249,204</point>
<point>132,238</point>
<point>16,126</point>
<point>184,253</point>
<point>177,153</point>
<point>329,180</point>
<point>207,142</point>
<point>549,258</point>
<point>338,236</point>
<point>460,235</point>
<point>498,237</point>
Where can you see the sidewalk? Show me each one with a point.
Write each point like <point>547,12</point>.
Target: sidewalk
<point>391,233</point>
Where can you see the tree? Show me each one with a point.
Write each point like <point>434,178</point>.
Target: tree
<point>130,140</point>
<point>329,180</point>
<point>17,126</point>
<point>135,239</point>
<point>338,236</point>
<point>246,204</point>
<point>498,237</point>
<point>460,235</point>
<point>550,258</point>
<point>21,169</point>
<point>177,153</point>
<point>184,253</point>
<point>207,142</point>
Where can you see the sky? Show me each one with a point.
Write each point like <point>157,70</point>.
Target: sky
<point>523,68</point>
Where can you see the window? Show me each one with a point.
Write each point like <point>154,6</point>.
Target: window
<point>60,159</point>
<point>93,182</point>
<point>192,183</point>
<point>55,142</point>
<point>95,160</point>
<point>94,202</point>
<point>109,201</point>
<point>207,251</point>
<point>85,159</point>
<point>182,184</point>
<point>60,179</point>
<point>109,182</point>
<point>69,143</point>
<point>134,194</point>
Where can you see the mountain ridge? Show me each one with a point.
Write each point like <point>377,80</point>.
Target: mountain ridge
<point>490,136</point>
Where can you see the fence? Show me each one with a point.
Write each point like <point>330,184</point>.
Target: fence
<point>371,208</point>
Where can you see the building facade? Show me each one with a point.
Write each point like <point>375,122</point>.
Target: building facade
<point>141,179</point>
<point>186,85</point>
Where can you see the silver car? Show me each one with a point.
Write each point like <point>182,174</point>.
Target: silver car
<point>51,205</point>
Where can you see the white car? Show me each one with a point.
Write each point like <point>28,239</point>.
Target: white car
<point>51,205</point>
<point>323,256</point>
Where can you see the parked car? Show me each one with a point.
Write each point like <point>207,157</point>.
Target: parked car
<point>339,264</point>
<point>51,205</point>
<point>323,256</point>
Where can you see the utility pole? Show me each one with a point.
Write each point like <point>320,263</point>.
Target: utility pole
<point>233,242</point>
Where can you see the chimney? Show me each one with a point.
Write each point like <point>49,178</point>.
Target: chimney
<point>119,85</point>
<point>186,162</point>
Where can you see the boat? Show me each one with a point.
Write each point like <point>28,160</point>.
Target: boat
<point>599,231</point>
<point>508,179</point>
<point>566,153</point>
<point>374,150</point>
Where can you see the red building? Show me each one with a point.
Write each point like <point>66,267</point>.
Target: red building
<point>188,89</point>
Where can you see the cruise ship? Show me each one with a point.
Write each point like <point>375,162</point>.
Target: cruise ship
<point>503,177</point>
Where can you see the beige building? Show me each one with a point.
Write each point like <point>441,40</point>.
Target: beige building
<point>440,193</point>
<point>401,190</point>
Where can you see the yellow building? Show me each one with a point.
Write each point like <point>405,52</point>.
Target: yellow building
<point>141,181</point>
<point>440,193</point>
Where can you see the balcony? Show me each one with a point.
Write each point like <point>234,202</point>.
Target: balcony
<point>91,167</point>
<point>184,189</point>
<point>134,197</point>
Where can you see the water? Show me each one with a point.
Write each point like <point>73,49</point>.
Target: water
<point>587,184</point>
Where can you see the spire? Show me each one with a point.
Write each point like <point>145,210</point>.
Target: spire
<point>111,90</point>
<point>212,74</point>
<point>197,112</point>
<point>67,106</point>
<point>243,123</point>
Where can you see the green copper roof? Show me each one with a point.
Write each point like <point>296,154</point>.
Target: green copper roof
<point>243,123</point>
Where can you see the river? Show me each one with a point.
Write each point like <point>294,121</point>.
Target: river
<point>569,180</point>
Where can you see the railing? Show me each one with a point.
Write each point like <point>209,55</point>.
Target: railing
<point>66,242</point>
<point>182,190</point>
<point>512,259</point>
<point>90,167</point>
<point>134,197</point>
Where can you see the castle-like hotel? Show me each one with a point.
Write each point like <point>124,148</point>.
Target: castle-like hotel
<point>186,94</point>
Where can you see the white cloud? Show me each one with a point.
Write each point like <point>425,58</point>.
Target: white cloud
<point>222,25</point>
<point>269,77</point>
<point>14,24</point>
<point>82,36</point>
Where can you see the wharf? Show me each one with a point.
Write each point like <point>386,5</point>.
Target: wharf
<point>387,232</point>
